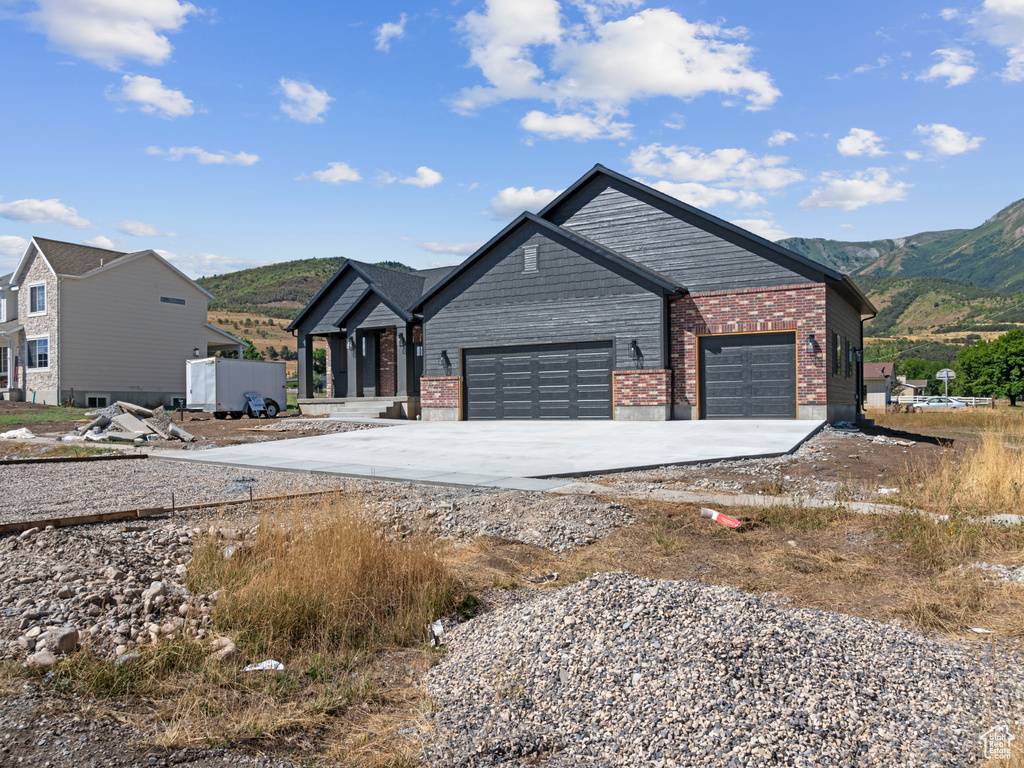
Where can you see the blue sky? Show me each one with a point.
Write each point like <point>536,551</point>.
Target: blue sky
<point>238,134</point>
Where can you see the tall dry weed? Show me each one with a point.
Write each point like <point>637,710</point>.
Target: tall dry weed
<point>325,575</point>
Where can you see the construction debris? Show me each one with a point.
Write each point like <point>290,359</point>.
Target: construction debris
<point>17,434</point>
<point>130,423</point>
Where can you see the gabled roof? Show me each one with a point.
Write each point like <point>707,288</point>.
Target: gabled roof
<point>652,278</point>
<point>877,370</point>
<point>397,289</point>
<point>830,275</point>
<point>75,260</point>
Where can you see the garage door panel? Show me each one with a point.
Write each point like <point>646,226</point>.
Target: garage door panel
<point>555,381</point>
<point>748,376</point>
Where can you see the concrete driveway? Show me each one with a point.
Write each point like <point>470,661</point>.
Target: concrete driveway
<point>524,455</point>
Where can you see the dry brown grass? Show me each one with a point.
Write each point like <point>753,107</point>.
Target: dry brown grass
<point>1003,419</point>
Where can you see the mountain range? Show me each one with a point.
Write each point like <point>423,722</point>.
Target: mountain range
<point>956,280</point>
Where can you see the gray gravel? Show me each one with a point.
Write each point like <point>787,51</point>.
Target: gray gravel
<point>619,670</point>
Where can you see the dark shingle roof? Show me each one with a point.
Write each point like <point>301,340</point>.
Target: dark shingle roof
<point>877,370</point>
<point>432,277</point>
<point>73,259</point>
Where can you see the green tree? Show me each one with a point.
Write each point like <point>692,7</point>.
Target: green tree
<point>272,353</point>
<point>320,361</point>
<point>250,352</point>
<point>1010,360</point>
<point>994,368</point>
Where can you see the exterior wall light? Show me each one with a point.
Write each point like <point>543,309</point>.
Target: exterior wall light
<point>401,340</point>
<point>195,352</point>
<point>351,343</point>
<point>445,362</point>
<point>812,345</point>
<point>635,354</point>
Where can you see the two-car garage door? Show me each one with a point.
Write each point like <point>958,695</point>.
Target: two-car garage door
<point>748,376</point>
<point>543,381</point>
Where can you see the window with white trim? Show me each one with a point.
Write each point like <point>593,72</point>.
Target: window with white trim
<point>37,299</point>
<point>38,353</point>
<point>3,309</point>
<point>96,401</point>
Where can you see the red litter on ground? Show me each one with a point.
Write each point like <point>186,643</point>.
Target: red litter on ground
<point>718,517</point>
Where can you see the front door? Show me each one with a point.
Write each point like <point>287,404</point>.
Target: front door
<point>371,364</point>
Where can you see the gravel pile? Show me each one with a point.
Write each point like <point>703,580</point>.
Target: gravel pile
<point>1011,574</point>
<point>619,671</point>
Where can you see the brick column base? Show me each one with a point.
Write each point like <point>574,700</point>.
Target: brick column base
<point>441,398</point>
<point>642,395</point>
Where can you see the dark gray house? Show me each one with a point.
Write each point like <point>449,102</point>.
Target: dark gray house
<point>618,301</point>
<point>374,342</point>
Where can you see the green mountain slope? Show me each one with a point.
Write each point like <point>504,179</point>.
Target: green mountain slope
<point>850,256</point>
<point>277,290</point>
<point>989,256</point>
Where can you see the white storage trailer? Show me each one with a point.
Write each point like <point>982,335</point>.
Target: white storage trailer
<point>218,385</point>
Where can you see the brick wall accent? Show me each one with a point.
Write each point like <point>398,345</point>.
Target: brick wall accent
<point>800,309</point>
<point>440,392</point>
<point>388,362</point>
<point>642,387</point>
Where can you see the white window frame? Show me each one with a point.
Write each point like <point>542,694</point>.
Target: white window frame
<point>49,353</point>
<point>46,299</point>
<point>3,309</point>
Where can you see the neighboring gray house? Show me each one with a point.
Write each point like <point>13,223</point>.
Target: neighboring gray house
<point>92,326</point>
<point>619,301</point>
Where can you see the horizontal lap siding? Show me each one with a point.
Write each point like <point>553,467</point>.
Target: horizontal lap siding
<point>570,298</point>
<point>843,319</point>
<point>693,253</point>
<point>373,313</point>
<point>335,302</point>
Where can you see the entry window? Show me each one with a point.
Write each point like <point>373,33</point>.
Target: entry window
<point>835,353</point>
<point>38,353</point>
<point>36,299</point>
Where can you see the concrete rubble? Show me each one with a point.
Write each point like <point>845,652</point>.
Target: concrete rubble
<point>130,423</point>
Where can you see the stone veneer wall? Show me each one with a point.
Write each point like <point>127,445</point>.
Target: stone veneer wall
<point>41,325</point>
<point>328,378</point>
<point>800,309</point>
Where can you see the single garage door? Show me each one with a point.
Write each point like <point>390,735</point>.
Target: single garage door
<point>545,381</point>
<point>748,376</point>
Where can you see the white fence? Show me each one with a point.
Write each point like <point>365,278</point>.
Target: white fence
<point>912,399</point>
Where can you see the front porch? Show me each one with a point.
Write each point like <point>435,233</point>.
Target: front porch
<point>407,407</point>
<point>367,364</point>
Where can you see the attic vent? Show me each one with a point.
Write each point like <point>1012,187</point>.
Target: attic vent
<point>530,258</point>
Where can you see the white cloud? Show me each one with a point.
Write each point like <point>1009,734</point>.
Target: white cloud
<point>872,186</point>
<point>860,142</point>
<point>138,229</point>
<point>152,97</point>
<point>596,68</point>
<point>880,63</point>
<point>947,140</point>
<point>779,138</point>
<point>574,126</point>
<point>949,13</point>
<point>1001,23</point>
<point>11,245</point>
<point>222,157</point>
<point>512,201</point>
<point>956,66</point>
<point>389,31</point>
<point>425,177</point>
<point>204,264</point>
<point>335,173</point>
<point>101,242</point>
<point>43,211</point>
<point>107,32</point>
<point>304,102</point>
<point>912,155</point>
<point>737,175</point>
<point>458,249</point>
<point>703,196</point>
<point>766,228</point>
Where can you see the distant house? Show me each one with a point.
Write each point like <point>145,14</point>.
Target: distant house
<point>93,326</point>
<point>877,384</point>
<point>905,386</point>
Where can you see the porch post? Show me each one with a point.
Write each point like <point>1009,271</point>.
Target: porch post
<point>402,367</point>
<point>337,355</point>
<point>305,344</point>
<point>352,357</point>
